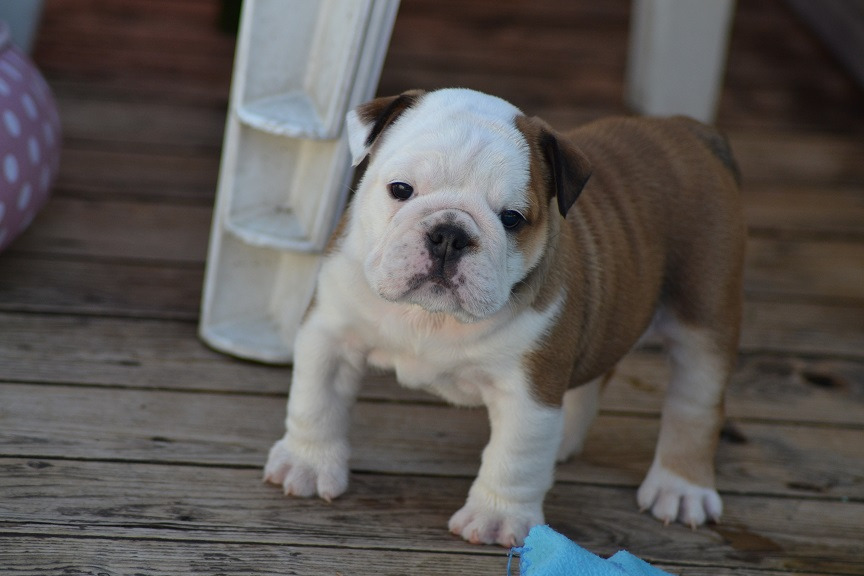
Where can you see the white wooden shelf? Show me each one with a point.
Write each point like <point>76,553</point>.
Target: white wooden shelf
<point>252,299</point>
<point>287,191</point>
<point>302,60</point>
<point>300,65</point>
<point>677,56</point>
<point>293,115</point>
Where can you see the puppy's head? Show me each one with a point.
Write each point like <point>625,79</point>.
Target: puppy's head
<point>459,197</point>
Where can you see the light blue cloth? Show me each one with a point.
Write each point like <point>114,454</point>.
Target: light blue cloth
<point>547,553</point>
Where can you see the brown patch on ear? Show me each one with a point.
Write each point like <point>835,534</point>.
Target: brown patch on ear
<point>382,112</point>
<point>569,169</point>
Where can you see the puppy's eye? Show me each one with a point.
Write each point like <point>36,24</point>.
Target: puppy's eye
<point>511,219</point>
<point>400,190</point>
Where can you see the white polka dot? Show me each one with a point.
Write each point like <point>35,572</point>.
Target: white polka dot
<point>24,197</point>
<point>18,61</point>
<point>29,106</point>
<point>13,125</point>
<point>11,71</point>
<point>5,90</point>
<point>10,168</point>
<point>33,150</point>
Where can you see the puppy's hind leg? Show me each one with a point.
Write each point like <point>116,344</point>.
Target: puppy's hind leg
<point>680,484</point>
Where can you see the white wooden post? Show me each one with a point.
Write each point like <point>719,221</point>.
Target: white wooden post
<point>285,170</point>
<point>677,56</point>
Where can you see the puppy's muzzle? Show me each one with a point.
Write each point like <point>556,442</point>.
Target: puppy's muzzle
<point>447,243</point>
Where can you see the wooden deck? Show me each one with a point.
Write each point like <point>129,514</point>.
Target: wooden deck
<point>128,447</point>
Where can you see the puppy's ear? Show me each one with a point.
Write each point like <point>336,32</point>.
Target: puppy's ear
<point>366,122</point>
<point>569,168</point>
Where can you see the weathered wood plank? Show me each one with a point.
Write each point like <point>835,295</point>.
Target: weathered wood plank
<point>179,60</point>
<point>806,211</point>
<point>764,387</point>
<point>173,89</point>
<point>119,229</point>
<point>803,328</point>
<point>37,556</point>
<point>36,283</point>
<point>123,352</point>
<point>819,159</point>
<point>96,12</point>
<point>169,178</point>
<point>146,230</point>
<point>237,430</point>
<point>404,512</point>
<point>148,40</point>
<point>806,270</point>
<point>753,458</point>
<point>167,354</point>
<point>157,51</point>
<point>32,346</point>
<point>137,125</point>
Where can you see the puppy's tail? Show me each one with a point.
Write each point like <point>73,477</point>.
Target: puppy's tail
<point>717,143</point>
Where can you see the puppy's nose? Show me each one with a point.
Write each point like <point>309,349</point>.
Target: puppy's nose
<point>448,242</point>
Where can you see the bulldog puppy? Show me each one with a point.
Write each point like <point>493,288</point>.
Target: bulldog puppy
<point>466,265</point>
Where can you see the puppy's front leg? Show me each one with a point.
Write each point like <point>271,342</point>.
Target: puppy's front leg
<point>517,469</point>
<point>312,457</point>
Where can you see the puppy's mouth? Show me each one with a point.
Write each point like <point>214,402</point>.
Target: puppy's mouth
<point>438,279</point>
<point>434,285</point>
<point>439,293</point>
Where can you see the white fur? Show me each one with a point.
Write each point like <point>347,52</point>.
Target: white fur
<point>506,499</point>
<point>466,364</point>
<point>357,134</point>
<point>467,162</point>
<point>465,158</point>
<point>670,497</point>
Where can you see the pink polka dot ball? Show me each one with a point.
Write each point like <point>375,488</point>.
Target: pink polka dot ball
<point>29,140</point>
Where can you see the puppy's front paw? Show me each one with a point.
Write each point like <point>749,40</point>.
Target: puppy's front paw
<point>670,497</point>
<point>504,524</point>
<point>304,469</point>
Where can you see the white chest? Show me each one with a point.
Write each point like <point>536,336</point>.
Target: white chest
<point>460,362</point>
<point>457,371</point>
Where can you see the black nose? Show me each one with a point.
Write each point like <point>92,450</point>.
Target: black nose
<point>448,242</point>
